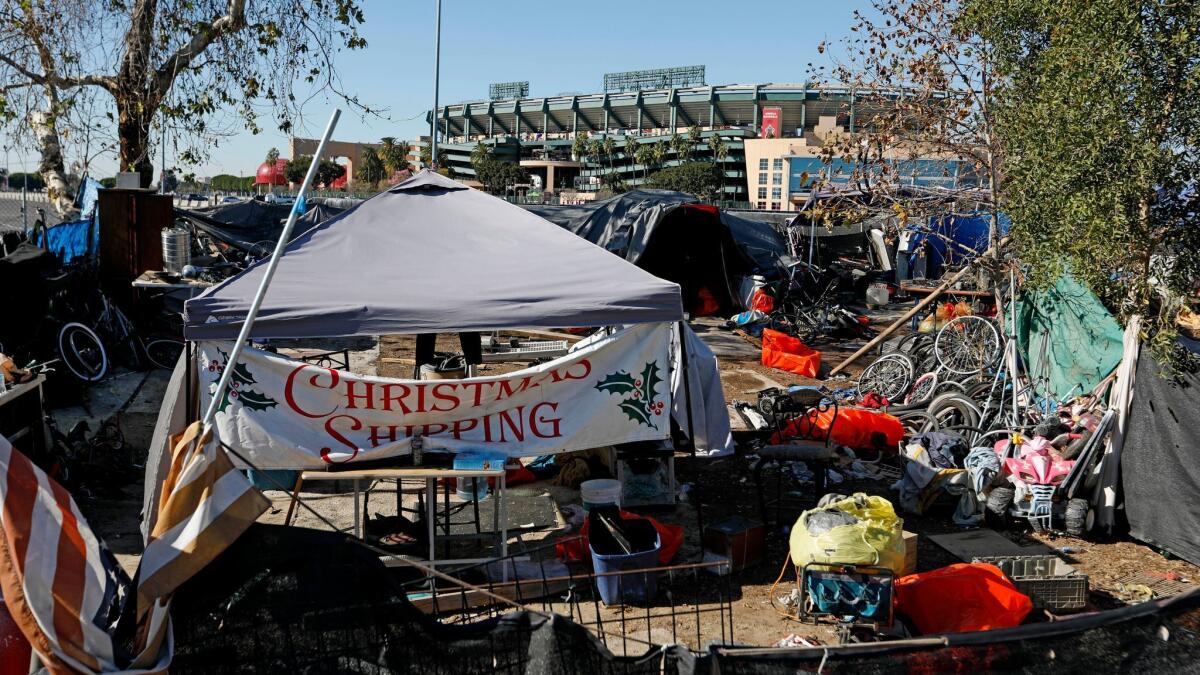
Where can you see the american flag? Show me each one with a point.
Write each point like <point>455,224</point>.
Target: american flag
<point>65,590</point>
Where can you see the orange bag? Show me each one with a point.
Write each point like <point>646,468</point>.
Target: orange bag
<point>782,351</point>
<point>761,301</point>
<point>706,303</point>
<point>858,429</point>
<point>670,539</point>
<point>961,598</point>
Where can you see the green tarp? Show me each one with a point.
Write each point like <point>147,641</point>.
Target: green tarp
<point>1067,336</point>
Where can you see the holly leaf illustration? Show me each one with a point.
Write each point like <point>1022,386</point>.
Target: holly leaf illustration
<point>650,380</point>
<point>241,375</point>
<point>617,383</point>
<point>636,410</point>
<point>253,400</point>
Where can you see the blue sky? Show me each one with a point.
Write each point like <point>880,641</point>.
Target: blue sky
<point>559,46</point>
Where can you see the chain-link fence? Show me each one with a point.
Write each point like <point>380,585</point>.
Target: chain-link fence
<point>17,214</point>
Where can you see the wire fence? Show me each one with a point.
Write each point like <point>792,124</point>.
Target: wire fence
<point>17,215</point>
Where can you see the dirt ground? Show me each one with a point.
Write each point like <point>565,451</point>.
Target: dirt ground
<point>717,488</point>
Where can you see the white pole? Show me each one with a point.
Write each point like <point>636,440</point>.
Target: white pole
<point>437,63</point>
<point>284,237</point>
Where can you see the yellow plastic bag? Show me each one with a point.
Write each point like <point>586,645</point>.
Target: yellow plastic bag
<point>927,325</point>
<point>876,539</point>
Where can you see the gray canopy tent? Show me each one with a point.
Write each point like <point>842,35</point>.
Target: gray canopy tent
<point>432,255</point>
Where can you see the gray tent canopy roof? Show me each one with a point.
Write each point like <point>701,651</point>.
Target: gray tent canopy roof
<point>431,255</point>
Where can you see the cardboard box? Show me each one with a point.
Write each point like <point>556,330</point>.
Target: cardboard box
<point>910,554</point>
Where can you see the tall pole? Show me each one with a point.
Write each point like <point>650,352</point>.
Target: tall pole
<point>437,66</point>
<point>284,237</point>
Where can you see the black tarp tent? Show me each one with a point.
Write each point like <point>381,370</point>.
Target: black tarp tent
<point>1160,462</point>
<point>253,225</point>
<point>676,237</point>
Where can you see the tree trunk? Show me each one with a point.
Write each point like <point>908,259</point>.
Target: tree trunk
<point>51,167</point>
<point>133,134</point>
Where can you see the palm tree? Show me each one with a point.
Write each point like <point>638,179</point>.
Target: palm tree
<point>693,136</point>
<point>595,150</point>
<point>645,155</point>
<point>631,149</point>
<point>660,153</point>
<point>579,147</point>
<point>720,150</point>
<point>610,149</point>
<point>680,145</point>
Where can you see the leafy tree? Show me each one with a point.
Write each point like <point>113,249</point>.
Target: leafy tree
<point>443,163</point>
<point>720,152</point>
<point>169,181</point>
<point>182,61</point>
<point>110,182</point>
<point>394,154</point>
<point>20,180</point>
<point>698,178</point>
<point>661,149</point>
<point>296,168</point>
<point>370,167</point>
<point>328,171</point>
<point>1099,111</point>
<point>644,156</point>
<point>272,156</point>
<point>610,149</point>
<point>923,86</point>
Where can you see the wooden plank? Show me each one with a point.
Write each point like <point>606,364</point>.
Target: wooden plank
<point>545,334</point>
<point>397,359</point>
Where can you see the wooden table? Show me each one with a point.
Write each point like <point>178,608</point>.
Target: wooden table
<point>926,290</point>
<point>430,476</point>
<point>22,417</point>
<point>152,281</point>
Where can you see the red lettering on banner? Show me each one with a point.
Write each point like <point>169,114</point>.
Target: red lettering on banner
<point>506,420</point>
<point>463,426</point>
<point>451,398</point>
<point>421,398</point>
<point>434,429</point>
<point>506,389</point>
<point>535,420</point>
<point>366,396</point>
<point>378,439</point>
<point>337,436</point>
<point>559,376</point>
<point>291,383</point>
<point>387,399</point>
<point>478,387</point>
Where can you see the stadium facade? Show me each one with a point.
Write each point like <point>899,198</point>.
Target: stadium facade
<point>772,132</point>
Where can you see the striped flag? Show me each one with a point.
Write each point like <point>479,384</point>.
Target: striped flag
<point>61,584</point>
<point>205,505</point>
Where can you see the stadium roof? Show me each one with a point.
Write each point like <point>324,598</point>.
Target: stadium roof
<point>708,106</point>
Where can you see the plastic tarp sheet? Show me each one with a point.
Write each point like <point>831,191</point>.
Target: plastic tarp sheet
<point>787,353</point>
<point>625,224</point>
<point>431,255</point>
<point>709,414</point>
<point>1160,463</point>
<point>69,241</point>
<point>1065,334</point>
<point>254,225</point>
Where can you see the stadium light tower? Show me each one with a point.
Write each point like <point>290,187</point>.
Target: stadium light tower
<point>437,62</point>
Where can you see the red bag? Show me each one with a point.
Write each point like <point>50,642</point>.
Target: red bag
<point>706,303</point>
<point>670,538</point>
<point>761,301</point>
<point>782,351</point>
<point>858,429</point>
<point>961,598</point>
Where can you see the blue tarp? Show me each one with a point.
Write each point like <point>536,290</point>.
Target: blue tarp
<point>69,241</point>
<point>967,230</point>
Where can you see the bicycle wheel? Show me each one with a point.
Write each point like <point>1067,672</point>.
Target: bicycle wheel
<point>164,352</point>
<point>82,352</point>
<point>967,345</point>
<point>889,376</point>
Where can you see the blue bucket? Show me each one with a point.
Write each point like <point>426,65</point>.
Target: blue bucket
<point>619,589</point>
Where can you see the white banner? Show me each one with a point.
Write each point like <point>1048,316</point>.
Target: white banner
<point>284,414</point>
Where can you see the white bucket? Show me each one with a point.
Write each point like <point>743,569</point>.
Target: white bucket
<point>600,492</point>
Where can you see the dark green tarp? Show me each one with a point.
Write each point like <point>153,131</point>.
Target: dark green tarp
<point>1067,336</point>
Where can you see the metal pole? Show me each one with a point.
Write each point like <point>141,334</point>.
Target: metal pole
<point>437,64</point>
<point>284,236</point>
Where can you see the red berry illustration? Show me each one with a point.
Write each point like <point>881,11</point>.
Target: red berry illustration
<point>637,383</point>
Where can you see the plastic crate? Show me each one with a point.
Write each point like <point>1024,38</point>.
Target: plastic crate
<point>1047,579</point>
